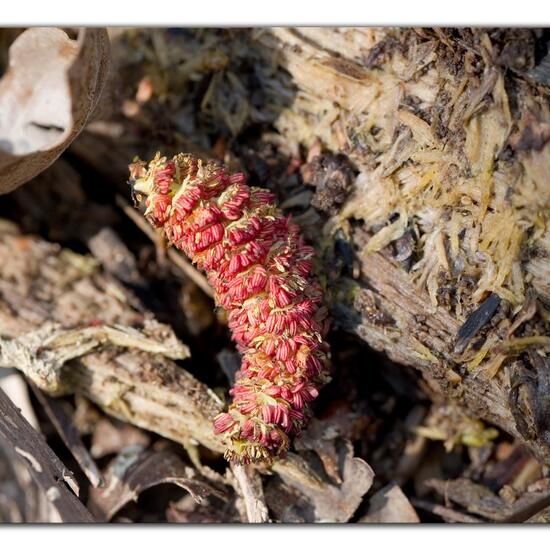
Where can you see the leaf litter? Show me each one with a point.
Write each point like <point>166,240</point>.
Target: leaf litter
<point>127,338</point>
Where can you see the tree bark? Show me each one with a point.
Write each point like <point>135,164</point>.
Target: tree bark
<point>446,215</point>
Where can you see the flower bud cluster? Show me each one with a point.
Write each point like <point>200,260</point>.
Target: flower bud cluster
<point>260,270</point>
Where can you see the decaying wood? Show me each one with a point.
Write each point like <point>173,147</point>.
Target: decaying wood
<point>29,500</point>
<point>58,314</point>
<point>44,466</point>
<point>429,152</point>
<point>449,210</point>
<point>416,160</point>
<point>61,419</point>
<point>115,257</point>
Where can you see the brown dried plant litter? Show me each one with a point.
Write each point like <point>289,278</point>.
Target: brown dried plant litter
<point>413,159</point>
<point>432,129</point>
<point>50,90</point>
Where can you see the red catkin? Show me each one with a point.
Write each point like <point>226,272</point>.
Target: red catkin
<point>260,270</point>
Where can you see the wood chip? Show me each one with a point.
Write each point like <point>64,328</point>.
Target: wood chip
<point>60,417</point>
<point>44,466</point>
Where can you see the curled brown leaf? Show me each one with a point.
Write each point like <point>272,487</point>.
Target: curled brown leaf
<point>52,86</point>
<point>135,470</point>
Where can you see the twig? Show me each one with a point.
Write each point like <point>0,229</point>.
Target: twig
<point>173,255</point>
<point>142,387</point>
<point>250,485</point>
<point>115,356</point>
<point>446,513</point>
<point>41,353</point>
<point>115,257</point>
<point>529,510</point>
<point>69,434</point>
<point>44,466</point>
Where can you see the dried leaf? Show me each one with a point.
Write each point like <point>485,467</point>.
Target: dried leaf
<point>134,471</point>
<point>321,434</point>
<point>51,88</point>
<point>475,498</point>
<point>331,503</point>
<point>390,505</point>
<point>328,493</point>
<point>111,436</point>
